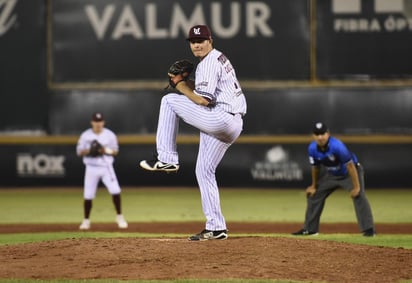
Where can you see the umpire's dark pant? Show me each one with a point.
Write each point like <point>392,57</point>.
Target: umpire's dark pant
<point>327,184</point>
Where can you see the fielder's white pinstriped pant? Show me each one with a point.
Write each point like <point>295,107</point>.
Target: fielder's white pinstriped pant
<point>218,130</point>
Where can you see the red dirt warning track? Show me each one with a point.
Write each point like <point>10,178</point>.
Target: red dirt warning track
<point>192,227</point>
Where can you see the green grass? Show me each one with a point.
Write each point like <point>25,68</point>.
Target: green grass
<point>148,205</point>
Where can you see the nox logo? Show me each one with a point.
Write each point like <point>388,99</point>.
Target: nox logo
<point>7,19</point>
<point>40,165</point>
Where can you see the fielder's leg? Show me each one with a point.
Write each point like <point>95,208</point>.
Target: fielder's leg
<point>117,203</point>
<point>91,180</point>
<point>110,181</point>
<point>87,207</point>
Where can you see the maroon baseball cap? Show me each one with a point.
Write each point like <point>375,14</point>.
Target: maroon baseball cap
<point>97,117</point>
<point>199,32</point>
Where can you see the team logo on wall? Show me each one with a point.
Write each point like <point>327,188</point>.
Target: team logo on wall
<point>277,166</point>
<point>355,16</point>
<point>7,18</point>
<point>40,165</point>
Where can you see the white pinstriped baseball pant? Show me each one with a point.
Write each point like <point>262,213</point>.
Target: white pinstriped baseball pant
<point>218,130</point>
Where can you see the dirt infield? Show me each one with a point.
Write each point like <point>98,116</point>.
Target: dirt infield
<point>177,258</point>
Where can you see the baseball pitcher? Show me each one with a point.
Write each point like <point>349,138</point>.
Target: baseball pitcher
<point>215,104</point>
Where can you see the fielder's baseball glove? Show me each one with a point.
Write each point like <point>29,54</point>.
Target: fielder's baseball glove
<point>96,149</point>
<point>180,67</point>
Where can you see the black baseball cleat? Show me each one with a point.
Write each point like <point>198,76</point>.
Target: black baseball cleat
<point>156,165</point>
<point>209,235</point>
<point>304,232</point>
<point>369,232</point>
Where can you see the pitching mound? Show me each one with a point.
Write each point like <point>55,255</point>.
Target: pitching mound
<point>177,258</point>
<point>237,257</point>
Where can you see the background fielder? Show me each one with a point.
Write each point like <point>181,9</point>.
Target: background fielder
<point>98,146</point>
<point>215,104</point>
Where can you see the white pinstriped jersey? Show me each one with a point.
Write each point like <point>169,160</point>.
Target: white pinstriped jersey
<point>216,79</point>
<point>106,138</point>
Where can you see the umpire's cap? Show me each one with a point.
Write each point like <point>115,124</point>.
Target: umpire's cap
<point>320,128</point>
<point>97,117</point>
<point>199,32</point>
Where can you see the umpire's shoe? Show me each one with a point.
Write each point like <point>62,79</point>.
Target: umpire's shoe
<point>209,235</point>
<point>304,232</point>
<point>156,165</point>
<point>369,232</point>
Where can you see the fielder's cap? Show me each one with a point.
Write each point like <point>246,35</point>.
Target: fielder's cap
<point>97,117</point>
<point>199,32</point>
<point>319,128</point>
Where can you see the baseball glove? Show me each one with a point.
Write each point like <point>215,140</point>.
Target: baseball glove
<point>96,149</point>
<point>181,67</point>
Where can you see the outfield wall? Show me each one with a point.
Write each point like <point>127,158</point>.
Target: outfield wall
<point>254,161</point>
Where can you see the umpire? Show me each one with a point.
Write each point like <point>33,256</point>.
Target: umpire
<point>333,167</point>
